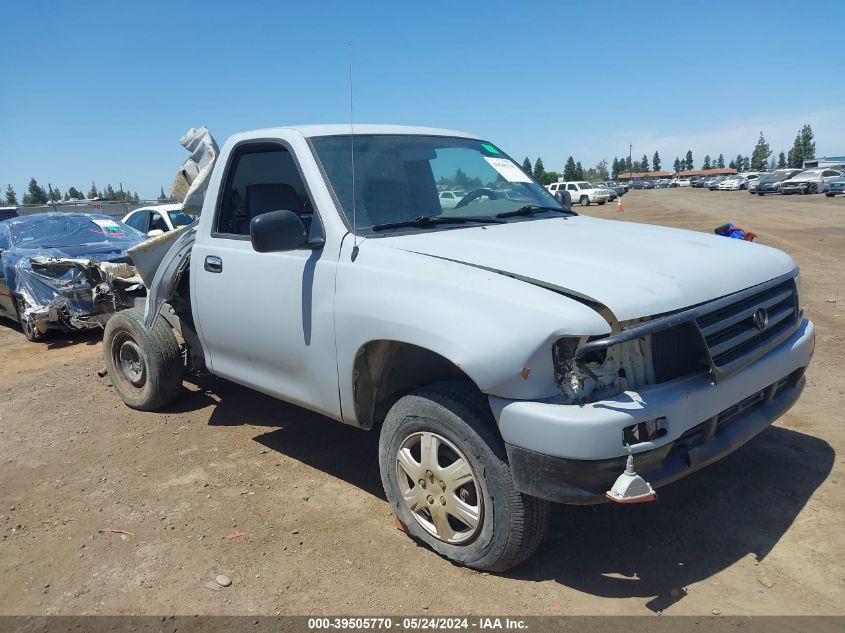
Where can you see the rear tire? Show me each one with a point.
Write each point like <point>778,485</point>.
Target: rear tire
<point>476,518</point>
<point>584,201</point>
<point>830,195</point>
<point>145,366</point>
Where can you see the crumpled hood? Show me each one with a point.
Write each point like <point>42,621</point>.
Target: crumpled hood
<point>636,270</point>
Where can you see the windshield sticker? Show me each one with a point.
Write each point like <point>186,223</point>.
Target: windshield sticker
<point>508,170</point>
<point>490,148</point>
<point>108,226</point>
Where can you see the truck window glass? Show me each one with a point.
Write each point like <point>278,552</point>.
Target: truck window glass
<point>262,177</point>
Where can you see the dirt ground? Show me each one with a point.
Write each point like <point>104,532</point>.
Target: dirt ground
<point>761,532</point>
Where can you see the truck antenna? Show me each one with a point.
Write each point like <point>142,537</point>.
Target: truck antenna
<point>352,156</point>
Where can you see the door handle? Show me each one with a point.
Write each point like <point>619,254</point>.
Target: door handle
<point>213,264</point>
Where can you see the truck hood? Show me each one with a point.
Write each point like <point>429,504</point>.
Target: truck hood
<point>635,270</point>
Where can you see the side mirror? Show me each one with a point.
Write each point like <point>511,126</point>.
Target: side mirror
<point>155,232</point>
<point>277,231</point>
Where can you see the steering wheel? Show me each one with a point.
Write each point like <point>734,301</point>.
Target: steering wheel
<point>477,193</point>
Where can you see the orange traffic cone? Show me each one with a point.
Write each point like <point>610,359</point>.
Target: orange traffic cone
<point>619,207</point>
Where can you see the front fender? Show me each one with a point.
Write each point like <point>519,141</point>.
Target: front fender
<point>498,330</point>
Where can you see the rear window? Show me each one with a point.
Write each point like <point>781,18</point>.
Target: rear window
<point>179,218</point>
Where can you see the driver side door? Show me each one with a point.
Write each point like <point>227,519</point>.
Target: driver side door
<point>266,320</point>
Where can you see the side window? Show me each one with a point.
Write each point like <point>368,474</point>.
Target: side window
<point>157,223</point>
<point>262,177</point>
<point>572,187</point>
<point>139,221</point>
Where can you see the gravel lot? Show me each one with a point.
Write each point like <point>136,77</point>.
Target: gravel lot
<point>105,510</point>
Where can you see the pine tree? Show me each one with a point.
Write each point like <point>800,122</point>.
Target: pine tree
<point>677,164</point>
<point>11,196</point>
<point>761,153</point>
<point>73,192</point>
<point>579,171</point>
<point>538,169</point>
<point>35,194</point>
<point>803,148</point>
<point>808,145</point>
<point>109,193</point>
<point>706,164</point>
<point>720,162</point>
<point>644,163</point>
<point>738,162</point>
<point>732,165</point>
<point>614,168</point>
<point>689,163</point>
<point>93,193</point>
<point>569,169</point>
<point>526,167</point>
<point>781,160</point>
<point>54,195</point>
<point>655,161</point>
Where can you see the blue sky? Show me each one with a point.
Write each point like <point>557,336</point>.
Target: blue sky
<point>97,90</point>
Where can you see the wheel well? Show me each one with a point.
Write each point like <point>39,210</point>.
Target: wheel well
<point>384,371</point>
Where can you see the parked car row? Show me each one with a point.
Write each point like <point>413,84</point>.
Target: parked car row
<point>782,181</point>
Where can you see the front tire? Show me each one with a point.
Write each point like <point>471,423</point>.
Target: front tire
<point>445,472</point>
<point>145,366</point>
<point>585,201</point>
<point>32,333</point>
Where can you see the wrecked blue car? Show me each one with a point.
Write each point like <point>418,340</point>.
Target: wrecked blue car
<point>66,271</point>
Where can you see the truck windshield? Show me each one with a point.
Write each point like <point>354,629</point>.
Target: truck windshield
<point>399,178</point>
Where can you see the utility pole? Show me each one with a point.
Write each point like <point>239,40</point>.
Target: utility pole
<point>630,163</point>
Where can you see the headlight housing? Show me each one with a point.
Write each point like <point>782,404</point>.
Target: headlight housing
<point>614,370</point>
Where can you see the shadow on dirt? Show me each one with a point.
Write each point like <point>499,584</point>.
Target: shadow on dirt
<point>737,507</point>
<point>342,451</point>
<point>701,525</point>
<point>56,339</point>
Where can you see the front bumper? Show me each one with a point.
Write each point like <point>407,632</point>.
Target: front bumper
<point>572,454</point>
<point>797,188</point>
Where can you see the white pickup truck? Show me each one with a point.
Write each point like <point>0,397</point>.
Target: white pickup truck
<point>509,352</point>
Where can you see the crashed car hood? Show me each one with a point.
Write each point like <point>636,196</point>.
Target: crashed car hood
<point>635,270</point>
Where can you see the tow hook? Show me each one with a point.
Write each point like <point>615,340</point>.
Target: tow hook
<point>629,487</point>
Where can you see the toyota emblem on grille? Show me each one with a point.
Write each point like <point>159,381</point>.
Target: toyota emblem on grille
<point>761,319</point>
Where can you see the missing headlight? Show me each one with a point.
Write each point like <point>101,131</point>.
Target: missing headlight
<point>608,373</point>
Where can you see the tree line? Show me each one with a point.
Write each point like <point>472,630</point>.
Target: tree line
<point>804,148</point>
<point>36,194</point>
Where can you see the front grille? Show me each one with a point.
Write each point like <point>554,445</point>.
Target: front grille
<point>730,332</point>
